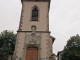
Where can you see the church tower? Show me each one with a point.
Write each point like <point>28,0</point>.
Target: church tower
<point>33,37</point>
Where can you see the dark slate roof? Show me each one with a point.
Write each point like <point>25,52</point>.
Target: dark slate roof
<point>59,53</point>
<point>53,39</point>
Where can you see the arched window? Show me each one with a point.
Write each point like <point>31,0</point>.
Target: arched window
<point>35,14</point>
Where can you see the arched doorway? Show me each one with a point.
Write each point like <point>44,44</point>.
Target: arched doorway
<point>32,53</point>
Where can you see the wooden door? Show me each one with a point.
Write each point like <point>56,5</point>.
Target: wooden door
<point>32,54</point>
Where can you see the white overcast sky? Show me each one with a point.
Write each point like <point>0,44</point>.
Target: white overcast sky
<point>64,19</point>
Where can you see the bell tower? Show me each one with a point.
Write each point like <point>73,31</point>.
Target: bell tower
<point>33,37</point>
<point>35,12</point>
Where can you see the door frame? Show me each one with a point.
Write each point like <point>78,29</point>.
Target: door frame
<point>31,45</point>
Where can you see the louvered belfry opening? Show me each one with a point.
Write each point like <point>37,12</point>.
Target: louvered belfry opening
<point>35,14</point>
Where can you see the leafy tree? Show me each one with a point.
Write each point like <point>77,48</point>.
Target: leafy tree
<point>72,49</point>
<point>7,44</point>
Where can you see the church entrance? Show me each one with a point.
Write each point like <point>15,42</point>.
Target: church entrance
<point>32,53</point>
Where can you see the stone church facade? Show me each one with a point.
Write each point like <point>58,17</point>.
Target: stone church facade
<point>33,37</point>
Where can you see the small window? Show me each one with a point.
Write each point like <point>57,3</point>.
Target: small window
<point>35,14</point>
